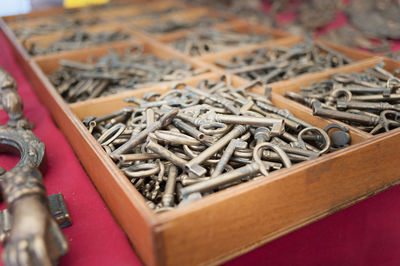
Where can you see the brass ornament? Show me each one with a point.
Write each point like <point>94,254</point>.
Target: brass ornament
<point>29,233</point>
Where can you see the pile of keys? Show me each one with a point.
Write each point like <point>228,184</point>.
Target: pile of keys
<point>271,64</point>
<point>77,81</point>
<point>193,141</point>
<point>369,100</point>
<point>176,24</point>
<point>211,41</point>
<point>78,40</point>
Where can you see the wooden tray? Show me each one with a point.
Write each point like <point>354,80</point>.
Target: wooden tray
<point>266,208</point>
<point>233,221</point>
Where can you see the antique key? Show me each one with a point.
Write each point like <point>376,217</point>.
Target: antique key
<point>250,169</point>
<point>343,105</point>
<point>359,118</point>
<point>347,79</point>
<point>232,146</point>
<point>340,138</point>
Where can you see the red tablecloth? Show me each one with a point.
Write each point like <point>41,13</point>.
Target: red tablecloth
<point>365,234</point>
<point>94,237</point>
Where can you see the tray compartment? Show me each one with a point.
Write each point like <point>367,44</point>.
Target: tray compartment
<point>50,63</point>
<point>295,85</point>
<point>263,204</point>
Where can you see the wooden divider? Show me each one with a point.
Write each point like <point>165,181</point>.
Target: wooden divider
<point>355,54</point>
<point>244,26</point>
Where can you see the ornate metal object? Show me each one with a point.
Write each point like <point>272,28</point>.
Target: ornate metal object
<point>33,236</point>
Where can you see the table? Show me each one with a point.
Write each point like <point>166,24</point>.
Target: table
<point>365,234</point>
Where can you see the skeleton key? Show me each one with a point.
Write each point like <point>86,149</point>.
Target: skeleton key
<point>347,79</point>
<point>379,106</point>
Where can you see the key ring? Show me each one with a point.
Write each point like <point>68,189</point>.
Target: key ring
<point>142,170</point>
<point>111,134</point>
<point>327,140</point>
<point>174,137</point>
<point>257,156</point>
<point>214,128</point>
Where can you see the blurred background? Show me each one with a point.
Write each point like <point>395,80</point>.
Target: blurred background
<point>365,24</point>
<point>14,7</point>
